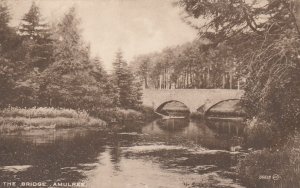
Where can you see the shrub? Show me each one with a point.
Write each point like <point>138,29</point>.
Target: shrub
<point>197,115</point>
<point>269,163</point>
<point>260,134</point>
<point>148,113</point>
<point>118,115</point>
<point>283,161</point>
<point>56,122</point>
<point>124,116</point>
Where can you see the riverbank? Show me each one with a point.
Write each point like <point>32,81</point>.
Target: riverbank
<point>118,118</point>
<point>13,119</point>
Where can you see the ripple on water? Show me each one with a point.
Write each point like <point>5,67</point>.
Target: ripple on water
<point>140,173</point>
<point>15,168</point>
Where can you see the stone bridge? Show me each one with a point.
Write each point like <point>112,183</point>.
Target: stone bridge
<point>194,99</point>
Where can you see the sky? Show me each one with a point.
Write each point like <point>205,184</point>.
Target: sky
<point>134,26</point>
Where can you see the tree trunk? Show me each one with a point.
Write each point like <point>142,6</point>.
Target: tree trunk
<point>208,78</point>
<point>230,80</point>
<point>146,83</point>
<point>224,81</point>
<point>297,3</point>
<point>160,79</point>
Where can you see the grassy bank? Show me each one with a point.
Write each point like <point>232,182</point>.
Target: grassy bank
<point>120,118</point>
<point>272,167</point>
<point>12,119</point>
<point>275,160</point>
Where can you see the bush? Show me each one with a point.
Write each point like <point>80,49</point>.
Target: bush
<point>270,163</point>
<point>260,134</point>
<point>124,116</point>
<point>262,163</point>
<point>148,113</point>
<point>283,161</point>
<point>197,115</point>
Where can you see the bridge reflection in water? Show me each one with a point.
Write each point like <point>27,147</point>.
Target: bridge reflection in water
<point>172,125</point>
<point>209,134</point>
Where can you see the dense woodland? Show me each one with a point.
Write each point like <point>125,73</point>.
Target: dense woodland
<point>191,65</point>
<point>253,45</point>
<point>264,38</point>
<point>49,65</point>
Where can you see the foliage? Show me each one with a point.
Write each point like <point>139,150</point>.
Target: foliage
<point>47,66</point>
<point>73,80</point>
<point>118,115</point>
<point>264,37</point>
<point>125,116</point>
<point>128,91</point>
<point>4,20</point>
<point>36,39</point>
<point>191,65</point>
<point>284,162</point>
<point>13,119</point>
<point>260,134</point>
<point>7,81</point>
<point>8,67</point>
<point>42,112</point>
<point>21,123</point>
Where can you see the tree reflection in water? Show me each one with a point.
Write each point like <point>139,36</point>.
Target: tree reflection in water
<point>165,149</point>
<point>61,159</point>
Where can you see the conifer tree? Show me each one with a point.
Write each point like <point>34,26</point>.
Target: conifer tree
<point>36,39</point>
<point>128,90</point>
<point>73,80</point>
<point>7,67</point>
<point>4,19</point>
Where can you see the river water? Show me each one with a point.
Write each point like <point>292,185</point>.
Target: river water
<point>172,153</point>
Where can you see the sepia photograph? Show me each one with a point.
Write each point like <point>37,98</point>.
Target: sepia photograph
<point>149,93</point>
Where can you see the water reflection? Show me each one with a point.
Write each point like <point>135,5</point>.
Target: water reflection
<point>172,125</point>
<point>209,134</point>
<point>61,158</point>
<point>231,127</point>
<point>164,153</point>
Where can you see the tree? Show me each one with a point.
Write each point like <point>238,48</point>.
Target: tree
<point>73,80</point>
<point>143,69</point>
<point>4,28</point>
<point>265,39</point>
<point>191,65</point>
<point>7,82</point>
<point>8,67</point>
<point>33,55</point>
<point>36,39</point>
<point>128,90</point>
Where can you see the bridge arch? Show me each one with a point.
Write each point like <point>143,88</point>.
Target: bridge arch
<point>162,105</point>
<point>192,98</point>
<point>209,108</point>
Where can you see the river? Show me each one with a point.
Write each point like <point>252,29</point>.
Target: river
<point>172,153</point>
